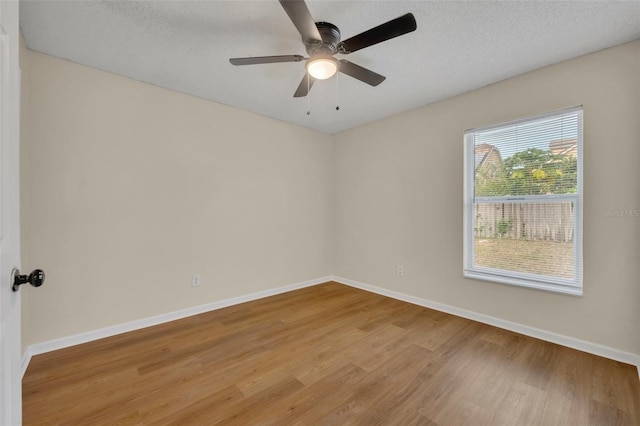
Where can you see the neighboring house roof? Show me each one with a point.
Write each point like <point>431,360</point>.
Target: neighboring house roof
<point>564,147</point>
<point>487,154</point>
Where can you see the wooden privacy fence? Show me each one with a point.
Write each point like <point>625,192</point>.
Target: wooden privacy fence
<point>526,221</point>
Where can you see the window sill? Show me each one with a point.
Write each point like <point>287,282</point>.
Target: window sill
<point>551,287</point>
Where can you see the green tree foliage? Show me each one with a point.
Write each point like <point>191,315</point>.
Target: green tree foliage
<point>530,172</point>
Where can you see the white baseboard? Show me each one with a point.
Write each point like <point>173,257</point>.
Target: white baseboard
<point>581,345</point>
<point>26,359</point>
<point>76,339</point>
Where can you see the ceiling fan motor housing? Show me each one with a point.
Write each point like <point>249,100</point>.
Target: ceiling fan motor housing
<point>330,39</point>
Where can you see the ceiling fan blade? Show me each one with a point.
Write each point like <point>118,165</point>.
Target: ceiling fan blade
<point>360,73</point>
<point>304,86</point>
<point>301,17</point>
<point>394,28</point>
<point>266,59</point>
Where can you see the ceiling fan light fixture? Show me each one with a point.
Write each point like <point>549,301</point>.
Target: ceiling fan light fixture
<point>322,68</point>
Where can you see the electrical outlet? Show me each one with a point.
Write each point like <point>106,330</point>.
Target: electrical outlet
<point>195,280</point>
<point>400,271</point>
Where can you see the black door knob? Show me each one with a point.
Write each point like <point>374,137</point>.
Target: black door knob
<point>35,278</point>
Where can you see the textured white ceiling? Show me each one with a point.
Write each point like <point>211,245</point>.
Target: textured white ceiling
<point>458,46</point>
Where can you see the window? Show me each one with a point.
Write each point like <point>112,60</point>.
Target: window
<point>523,202</point>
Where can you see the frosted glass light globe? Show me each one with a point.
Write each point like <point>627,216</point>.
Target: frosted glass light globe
<point>322,68</point>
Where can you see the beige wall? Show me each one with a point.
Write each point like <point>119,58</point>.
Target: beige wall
<point>128,189</point>
<point>399,199</point>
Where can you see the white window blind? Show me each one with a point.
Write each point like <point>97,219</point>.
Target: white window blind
<point>523,202</point>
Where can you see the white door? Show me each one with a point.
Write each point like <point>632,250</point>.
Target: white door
<point>10,351</point>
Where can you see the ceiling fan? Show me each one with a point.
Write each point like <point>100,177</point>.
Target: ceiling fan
<point>322,41</point>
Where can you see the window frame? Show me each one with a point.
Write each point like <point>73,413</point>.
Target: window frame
<point>542,282</point>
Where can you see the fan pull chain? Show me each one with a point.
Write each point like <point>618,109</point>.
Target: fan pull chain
<point>337,93</point>
<point>308,96</point>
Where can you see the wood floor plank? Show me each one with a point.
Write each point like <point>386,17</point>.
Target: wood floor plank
<point>326,355</point>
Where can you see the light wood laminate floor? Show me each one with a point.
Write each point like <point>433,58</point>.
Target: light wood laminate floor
<point>327,355</point>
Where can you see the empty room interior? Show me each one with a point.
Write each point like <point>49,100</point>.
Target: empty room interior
<point>444,232</point>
